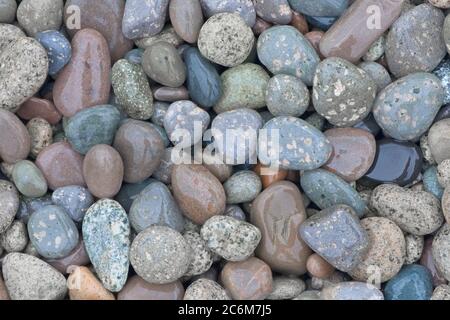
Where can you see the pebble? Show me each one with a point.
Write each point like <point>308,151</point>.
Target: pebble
<point>427,261</point>
<point>243,186</point>
<point>205,289</point>
<point>386,251</point>
<point>39,108</point>
<point>226,39</point>
<point>40,15</point>
<point>232,239</point>
<point>132,90</point>
<point>438,140</point>
<point>247,280</point>
<point>275,11</point>
<point>446,204</point>
<point>8,11</point>
<point>440,251</point>
<point>91,127</point>
<point>15,238</point>
<point>154,205</point>
<point>29,278</point>
<point>141,149</point>
<point>270,175</point>
<point>416,212</point>
<point>414,248</point>
<point>58,49</point>
<point>83,285</point>
<point>29,180</point>
<point>169,94</point>
<point>443,173</point>
<point>319,267</point>
<point>378,73</point>
<point>85,81</point>
<point>412,46</point>
<point>9,33</point>
<point>41,135</point>
<point>130,191</point>
<point>326,189</point>
<point>15,144</point>
<point>135,56</point>
<point>337,236</point>
<point>78,257</point>
<point>106,235</point>
<point>186,18</point>
<point>245,8</point>
<point>159,112</point>
<point>287,96</point>
<point>137,288</point>
<point>352,290</point>
<point>167,34</point>
<point>413,282</point>
<point>75,200</point>
<point>442,292</point>
<point>370,125</point>
<point>286,288</point>
<point>330,8</point>
<point>236,212</point>
<point>30,205</point>
<point>260,26</point>
<point>308,295</point>
<point>202,257</point>
<point>284,50</point>
<point>160,255</point>
<point>376,50</point>
<point>441,72</point>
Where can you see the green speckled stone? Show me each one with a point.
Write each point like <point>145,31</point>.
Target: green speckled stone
<point>29,180</point>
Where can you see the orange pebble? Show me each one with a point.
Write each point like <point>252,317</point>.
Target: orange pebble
<point>83,285</point>
<point>318,267</point>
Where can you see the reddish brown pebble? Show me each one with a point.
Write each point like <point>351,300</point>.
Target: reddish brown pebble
<point>247,280</point>
<point>269,175</point>
<point>15,143</point>
<point>299,22</point>
<point>198,192</point>
<point>137,288</point>
<point>83,285</point>
<point>78,257</point>
<point>85,81</point>
<point>187,18</point>
<point>314,37</point>
<point>260,26</point>
<point>39,108</point>
<point>168,94</point>
<point>427,261</point>
<point>318,267</point>
<point>61,166</point>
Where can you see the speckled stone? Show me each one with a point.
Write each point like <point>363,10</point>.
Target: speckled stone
<point>443,173</point>
<point>386,250</point>
<point>370,125</point>
<point>337,236</point>
<point>274,11</point>
<point>226,39</point>
<point>245,8</point>
<point>442,72</point>
<point>438,139</point>
<point>78,257</point>
<point>286,288</point>
<point>185,123</point>
<point>232,239</point>
<point>352,291</point>
<point>301,146</point>
<point>160,255</point>
<point>155,206</point>
<point>30,205</point>
<point>414,248</point>
<point>431,183</point>
<point>287,96</point>
<point>376,50</point>
<point>15,143</point>
<point>428,261</point>
<point>75,200</point>
<point>413,282</point>
<point>58,49</point>
<point>41,135</point>
<point>416,212</point>
<point>326,189</point>
<point>137,288</point>
<point>9,33</point>
<point>132,89</point>
<point>39,108</point>
<point>284,50</point>
<point>8,11</point>
<point>15,238</point>
<point>205,289</point>
<point>40,15</point>
<point>378,73</point>
<point>160,110</point>
<point>29,278</point>
<point>243,186</point>
<point>106,234</point>
<point>412,46</point>
<point>331,8</point>
<point>144,18</point>
<point>308,295</point>
<point>441,250</point>
<point>202,257</point>
<point>342,93</point>
<point>446,204</point>
<point>24,69</point>
<point>442,292</point>
<point>29,180</point>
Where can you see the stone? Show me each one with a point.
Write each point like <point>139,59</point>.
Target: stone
<point>29,278</point>
<point>137,288</point>
<point>427,261</point>
<point>9,33</point>
<point>39,108</point>
<point>438,140</point>
<point>319,267</point>
<point>78,257</point>
<point>106,235</point>
<point>440,251</point>
<point>442,292</point>
<point>160,255</point>
<point>441,72</point>
<point>75,200</point>
<point>446,204</point>
<point>286,288</point>
<point>168,94</point>
<point>308,295</point>
<point>243,186</point>
<point>236,212</point>
<point>370,125</point>
<point>186,18</point>
<point>41,135</point>
<point>352,291</point>
<point>245,8</point>
<point>167,34</point>
<point>413,282</point>
<point>277,12</point>
<point>15,238</point>
<point>226,39</point>
<point>40,15</point>
<point>284,50</point>
<point>29,180</point>
<point>205,289</point>
<point>15,144</point>
<point>83,285</point>
<point>414,248</point>
<point>331,8</point>
<point>58,49</point>
<point>202,257</point>
<point>216,165</point>
<point>260,26</point>
<point>130,191</point>
<point>28,206</point>
<point>8,11</point>
<point>443,173</point>
<point>378,73</point>
<point>376,50</point>
<point>269,175</point>
<point>431,183</point>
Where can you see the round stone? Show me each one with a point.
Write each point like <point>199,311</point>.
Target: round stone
<point>75,200</point>
<point>29,180</point>
<point>413,282</point>
<point>39,108</point>
<point>58,49</point>
<point>205,289</point>
<point>438,139</point>
<point>41,135</point>
<point>15,238</point>
<point>286,288</point>
<point>243,186</point>
<point>40,15</point>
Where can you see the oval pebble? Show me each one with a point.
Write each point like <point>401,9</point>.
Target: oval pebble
<point>242,186</point>
<point>15,144</point>
<point>352,290</point>
<point>286,288</point>
<point>41,135</point>
<point>431,183</point>
<point>15,238</point>
<point>58,48</point>
<point>29,180</point>
<point>75,200</point>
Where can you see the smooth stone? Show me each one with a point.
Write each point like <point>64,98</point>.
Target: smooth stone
<point>446,204</point>
<point>40,15</point>
<point>9,33</point>
<point>376,50</point>
<point>446,33</point>
<point>29,278</point>
<point>141,148</point>
<point>415,47</point>
<point>8,10</point>
<point>137,288</point>
<point>370,125</point>
<point>337,236</point>
<point>245,8</point>
<point>130,191</point>
<point>185,123</point>
<point>286,288</point>
<point>15,144</point>
<point>378,73</point>
<point>444,4</point>
<point>439,141</point>
<point>198,192</point>
<point>413,282</point>
<point>4,295</point>
<point>91,127</point>
<point>284,50</point>
<point>314,37</point>
<point>243,186</point>
<point>169,94</point>
<point>39,108</point>
<point>326,189</point>
<point>202,256</point>
<point>155,206</point>
<point>78,257</point>
<point>358,28</point>
<point>414,248</point>
<point>321,23</point>
<point>287,96</point>
<point>61,165</point>
<point>269,176</point>
<point>236,212</point>
<point>205,289</point>
<point>406,108</point>
<point>440,251</point>
<point>431,183</point>
<point>442,292</point>
<point>83,285</point>
<point>167,34</point>
<point>186,18</point>
<point>132,89</point>
<point>41,135</point>
<point>24,70</point>
<point>105,16</point>
<point>226,39</point>
<point>160,110</point>
<point>427,261</point>
<point>247,280</point>
<point>144,18</point>
<point>15,238</point>
<point>52,232</point>
<point>203,80</point>
<point>353,154</point>
<point>164,171</point>
<point>416,212</point>
<point>275,11</point>
<point>160,255</point>
<point>352,291</point>
<point>134,56</point>
<point>318,267</point>
<point>216,165</point>
<point>75,200</point>
<point>103,171</point>
<point>442,72</point>
<point>321,8</point>
<point>395,162</point>
<point>300,146</point>
<point>58,49</point>
<point>278,212</point>
<point>30,205</point>
<point>106,235</point>
<point>29,180</point>
<point>260,26</point>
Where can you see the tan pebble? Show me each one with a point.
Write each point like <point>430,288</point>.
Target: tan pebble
<point>41,135</point>
<point>83,285</point>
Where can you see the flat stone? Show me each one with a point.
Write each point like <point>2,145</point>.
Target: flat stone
<point>243,186</point>
<point>29,180</point>
<point>352,291</point>
<point>413,282</point>
<point>40,15</point>
<point>137,288</point>
<point>15,144</point>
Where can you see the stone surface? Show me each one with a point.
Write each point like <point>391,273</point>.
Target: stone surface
<point>438,140</point>
<point>269,175</point>
<point>440,251</point>
<point>286,288</point>
<point>29,180</point>
<point>15,143</point>
<point>58,49</point>
<point>41,135</point>
<point>443,173</point>
<point>205,289</point>
<point>414,248</point>
<point>78,257</point>
<point>137,288</point>
<point>318,267</point>
<point>75,200</point>
<point>378,73</point>
<point>352,291</point>
<point>202,257</point>
<point>83,285</point>
<point>245,8</point>
<point>15,238</point>
<point>427,261</point>
<point>243,186</point>
<point>186,18</point>
<point>275,11</point>
<point>8,11</point>
<point>331,8</point>
<point>431,183</point>
<point>144,18</point>
<point>413,282</point>
<point>9,33</point>
<point>40,15</point>
<point>39,108</point>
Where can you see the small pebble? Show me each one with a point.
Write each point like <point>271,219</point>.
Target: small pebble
<point>413,282</point>
<point>83,285</point>
<point>204,289</point>
<point>58,48</point>
<point>29,180</point>
<point>15,238</point>
<point>286,288</point>
<point>352,291</point>
<point>137,288</point>
<point>41,134</point>
<point>243,186</point>
<point>202,257</point>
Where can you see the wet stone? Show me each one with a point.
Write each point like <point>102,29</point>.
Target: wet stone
<point>75,200</point>
<point>413,282</point>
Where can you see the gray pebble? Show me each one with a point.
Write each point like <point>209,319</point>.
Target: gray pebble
<point>75,200</point>
<point>242,186</point>
<point>202,259</point>
<point>414,248</point>
<point>443,173</point>
<point>15,239</point>
<point>40,15</point>
<point>7,11</point>
<point>205,289</point>
<point>378,73</point>
<point>285,288</point>
<point>9,204</point>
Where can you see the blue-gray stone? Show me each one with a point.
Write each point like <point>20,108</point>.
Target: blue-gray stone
<point>284,50</point>
<point>106,235</point>
<point>155,205</point>
<point>300,145</point>
<point>30,205</point>
<point>130,191</point>
<point>326,189</point>
<point>135,56</point>
<point>406,108</point>
<point>320,8</point>
<point>243,186</point>
<point>431,183</point>
<point>75,200</point>
<point>244,8</point>
<point>52,232</point>
<point>443,73</point>
<point>413,282</point>
<point>58,48</point>
<point>92,126</point>
<point>203,80</point>
<point>322,23</point>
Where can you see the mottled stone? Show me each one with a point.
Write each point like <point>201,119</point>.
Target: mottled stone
<point>274,11</point>
<point>205,289</point>
<point>438,139</point>
<point>137,288</point>
<point>243,186</point>
<point>378,73</point>
<point>15,238</point>
<point>144,18</point>
<point>83,285</point>
<point>414,248</point>
<point>245,8</point>
<point>286,288</point>
<point>28,179</point>
<point>15,144</point>
<point>352,291</point>
<point>9,33</point>
<point>75,200</point>
<point>287,96</point>
<point>202,257</point>
<point>376,50</point>
<point>169,94</point>
<point>40,15</point>
<point>130,191</point>
<point>413,282</point>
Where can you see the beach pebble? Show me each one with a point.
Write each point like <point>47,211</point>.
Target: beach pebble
<point>78,257</point>
<point>39,108</point>
<point>245,8</point>
<point>83,285</point>
<point>15,238</point>
<point>414,248</point>
<point>286,288</point>
<point>28,179</point>
<point>8,11</point>
<point>441,292</point>
<point>75,200</point>
<point>275,11</point>
<point>378,73</point>
<point>352,291</point>
<point>441,250</point>
<point>431,183</point>
<point>58,48</point>
<point>137,288</point>
<point>202,257</point>
<point>40,15</point>
<point>205,289</point>
<point>15,144</point>
<point>443,173</point>
<point>9,33</point>
<point>438,140</point>
<point>242,186</point>
<point>186,18</point>
<point>319,267</point>
<point>308,295</point>
<point>41,135</point>
<point>413,282</point>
